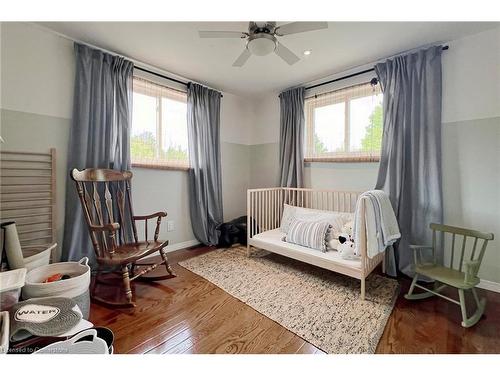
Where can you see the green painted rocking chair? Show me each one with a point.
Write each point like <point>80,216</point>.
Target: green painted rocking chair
<point>454,275</point>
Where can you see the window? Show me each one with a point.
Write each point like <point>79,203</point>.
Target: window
<point>159,127</point>
<point>344,125</point>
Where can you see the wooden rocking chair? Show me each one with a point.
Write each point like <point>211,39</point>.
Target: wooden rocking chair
<point>452,275</point>
<point>110,228</point>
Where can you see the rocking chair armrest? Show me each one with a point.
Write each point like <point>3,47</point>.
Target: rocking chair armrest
<point>158,215</point>
<point>471,269</point>
<point>113,227</point>
<point>147,217</point>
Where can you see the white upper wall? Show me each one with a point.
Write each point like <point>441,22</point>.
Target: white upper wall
<point>37,71</point>
<point>471,77</point>
<point>236,119</point>
<point>177,47</point>
<point>37,76</point>
<point>266,115</point>
<point>44,84</point>
<point>471,85</point>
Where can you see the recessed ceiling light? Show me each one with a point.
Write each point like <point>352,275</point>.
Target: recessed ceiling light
<point>307,52</point>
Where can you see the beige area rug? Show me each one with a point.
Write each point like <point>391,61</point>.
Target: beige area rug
<point>320,306</point>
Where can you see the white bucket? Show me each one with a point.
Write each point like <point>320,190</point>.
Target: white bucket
<point>76,286</point>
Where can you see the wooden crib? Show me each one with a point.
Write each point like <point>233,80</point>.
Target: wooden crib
<point>264,211</point>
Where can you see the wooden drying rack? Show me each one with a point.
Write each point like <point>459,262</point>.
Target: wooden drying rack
<point>28,196</point>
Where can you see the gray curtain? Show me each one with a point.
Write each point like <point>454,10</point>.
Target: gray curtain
<point>410,166</point>
<point>100,133</point>
<point>205,184</point>
<point>292,138</point>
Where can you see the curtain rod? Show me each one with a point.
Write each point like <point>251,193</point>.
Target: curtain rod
<point>71,39</point>
<point>166,77</point>
<point>160,75</point>
<point>373,81</point>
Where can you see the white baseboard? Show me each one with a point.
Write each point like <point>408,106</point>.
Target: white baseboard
<point>176,246</point>
<point>181,245</point>
<point>489,285</point>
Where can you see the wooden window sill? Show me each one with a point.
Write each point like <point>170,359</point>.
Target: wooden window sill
<point>344,159</point>
<point>160,167</point>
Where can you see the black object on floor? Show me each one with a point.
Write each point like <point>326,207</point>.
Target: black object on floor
<point>232,232</point>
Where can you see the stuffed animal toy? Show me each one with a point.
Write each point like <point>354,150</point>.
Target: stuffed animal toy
<point>348,227</point>
<point>346,248</point>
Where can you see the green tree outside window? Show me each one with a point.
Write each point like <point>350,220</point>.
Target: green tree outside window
<point>373,135</point>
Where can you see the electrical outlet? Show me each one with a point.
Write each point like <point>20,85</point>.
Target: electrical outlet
<point>170,226</point>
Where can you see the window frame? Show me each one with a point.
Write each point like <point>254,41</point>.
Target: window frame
<point>337,96</point>
<point>175,94</point>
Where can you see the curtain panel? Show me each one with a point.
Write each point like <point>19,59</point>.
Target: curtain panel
<point>205,182</point>
<point>410,165</point>
<point>99,135</point>
<point>291,149</point>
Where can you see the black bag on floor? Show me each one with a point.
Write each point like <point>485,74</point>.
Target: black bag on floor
<point>232,232</point>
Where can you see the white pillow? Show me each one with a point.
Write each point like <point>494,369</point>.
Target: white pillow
<point>310,234</point>
<point>287,217</point>
<point>334,218</point>
<point>332,244</point>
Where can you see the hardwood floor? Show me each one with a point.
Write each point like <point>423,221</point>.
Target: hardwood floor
<point>188,314</point>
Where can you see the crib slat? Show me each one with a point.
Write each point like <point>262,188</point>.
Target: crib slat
<point>252,227</point>
<point>261,211</point>
<point>265,206</point>
<point>272,210</point>
<point>268,210</point>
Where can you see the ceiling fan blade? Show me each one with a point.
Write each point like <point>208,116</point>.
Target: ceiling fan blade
<point>300,27</point>
<point>242,59</point>
<point>222,34</point>
<point>287,55</point>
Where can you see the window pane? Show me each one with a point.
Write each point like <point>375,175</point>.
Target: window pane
<point>365,115</point>
<point>143,140</point>
<point>329,128</point>
<point>159,126</point>
<point>344,125</point>
<point>174,130</point>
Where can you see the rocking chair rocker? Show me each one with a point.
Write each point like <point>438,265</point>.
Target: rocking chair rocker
<point>110,228</point>
<point>452,275</point>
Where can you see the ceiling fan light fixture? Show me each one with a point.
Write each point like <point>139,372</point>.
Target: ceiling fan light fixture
<point>261,44</point>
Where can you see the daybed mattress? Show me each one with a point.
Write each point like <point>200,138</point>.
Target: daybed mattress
<point>272,241</point>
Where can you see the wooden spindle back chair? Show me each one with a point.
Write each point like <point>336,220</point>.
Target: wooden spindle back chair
<point>467,248</point>
<point>106,201</point>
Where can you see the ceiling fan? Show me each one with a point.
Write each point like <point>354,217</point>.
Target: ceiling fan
<point>262,39</point>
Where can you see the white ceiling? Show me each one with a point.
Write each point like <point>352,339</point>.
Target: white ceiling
<point>176,47</point>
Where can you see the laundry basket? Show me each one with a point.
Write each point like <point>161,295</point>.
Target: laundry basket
<point>76,287</point>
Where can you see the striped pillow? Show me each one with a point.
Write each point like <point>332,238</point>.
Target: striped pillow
<point>309,234</point>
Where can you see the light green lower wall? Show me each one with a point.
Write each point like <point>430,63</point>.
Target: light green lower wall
<point>264,171</point>
<point>471,175</point>
<point>471,183</point>
<point>264,165</point>
<point>162,190</point>
<point>235,178</point>
<point>23,131</point>
<point>471,179</point>
<point>153,189</point>
<point>341,176</point>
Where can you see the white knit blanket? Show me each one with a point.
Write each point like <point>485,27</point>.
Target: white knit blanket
<point>382,229</point>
